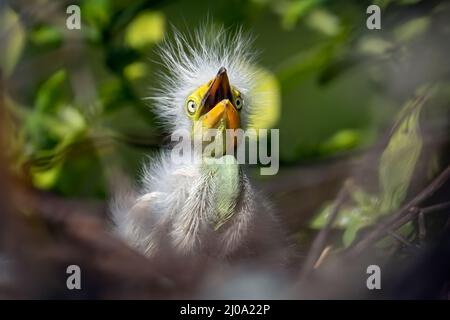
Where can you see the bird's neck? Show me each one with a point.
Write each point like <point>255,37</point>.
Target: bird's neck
<point>226,176</point>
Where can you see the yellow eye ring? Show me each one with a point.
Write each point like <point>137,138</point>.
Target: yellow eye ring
<point>191,107</point>
<point>238,103</point>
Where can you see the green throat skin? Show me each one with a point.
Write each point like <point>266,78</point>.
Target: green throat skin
<point>228,186</point>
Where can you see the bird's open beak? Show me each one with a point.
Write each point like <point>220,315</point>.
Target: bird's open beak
<point>217,103</point>
<point>223,110</point>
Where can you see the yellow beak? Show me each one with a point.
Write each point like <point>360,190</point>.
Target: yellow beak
<point>223,110</point>
<point>216,104</point>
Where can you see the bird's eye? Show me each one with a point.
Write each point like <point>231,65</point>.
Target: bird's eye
<point>191,106</point>
<point>238,102</point>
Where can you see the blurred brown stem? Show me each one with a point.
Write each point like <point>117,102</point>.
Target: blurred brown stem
<point>320,241</point>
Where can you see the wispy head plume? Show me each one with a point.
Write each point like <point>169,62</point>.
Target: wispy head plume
<point>192,60</point>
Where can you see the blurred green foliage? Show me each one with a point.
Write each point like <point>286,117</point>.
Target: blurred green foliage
<point>76,106</point>
<point>13,39</point>
<point>396,167</point>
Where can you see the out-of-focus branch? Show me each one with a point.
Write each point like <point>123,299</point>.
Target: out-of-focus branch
<point>406,213</point>
<point>62,232</point>
<point>320,241</point>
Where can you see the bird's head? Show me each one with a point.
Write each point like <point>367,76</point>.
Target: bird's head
<point>209,83</point>
<point>215,105</point>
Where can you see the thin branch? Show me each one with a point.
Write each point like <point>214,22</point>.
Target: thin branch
<point>422,228</point>
<point>447,224</point>
<point>405,214</point>
<point>401,239</point>
<point>436,207</point>
<point>322,257</point>
<point>320,241</point>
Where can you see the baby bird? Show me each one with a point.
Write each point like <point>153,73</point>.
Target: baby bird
<point>202,208</point>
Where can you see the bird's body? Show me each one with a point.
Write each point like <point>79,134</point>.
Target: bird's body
<point>199,209</point>
<point>202,208</point>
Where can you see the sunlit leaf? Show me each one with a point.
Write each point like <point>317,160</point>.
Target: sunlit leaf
<point>73,119</point>
<point>323,21</point>
<point>340,141</point>
<point>269,99</point>
<point>135,71</point>
<point>147,28</point>
<point>46,179</point>
<point>46,36</point>
<point>50,93</point>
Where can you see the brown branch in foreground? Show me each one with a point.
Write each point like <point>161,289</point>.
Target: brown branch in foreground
<point>402,216</point>
<point>401,239</point>
<point>320,241</point>
<point>63,233</point>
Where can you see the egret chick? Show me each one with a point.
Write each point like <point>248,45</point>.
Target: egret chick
<point>202,208</point>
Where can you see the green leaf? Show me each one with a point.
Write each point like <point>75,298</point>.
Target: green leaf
<point>12,40</point>
<point>146,29</point>
<point>46,36</point>
<point>135,71</point>
<point>356,223</point>
<point>50,94</point>
<point>323,21</point>
<point>399,159</point>
<point>396,167</point>
<point>342,140</point>
<point>71,168</point>
<point>268,89</point>
<point>47,178</point>
<point>320,219</point>
<point>96,13</point>
<point>51,126</point>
